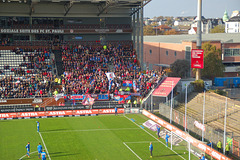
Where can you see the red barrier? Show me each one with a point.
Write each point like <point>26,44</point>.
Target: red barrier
<point>60,113</point>
<point>208,150</point>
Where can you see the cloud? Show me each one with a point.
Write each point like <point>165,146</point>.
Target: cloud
<point>183,12</point>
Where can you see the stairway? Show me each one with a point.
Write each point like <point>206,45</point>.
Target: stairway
<point>58,60</point>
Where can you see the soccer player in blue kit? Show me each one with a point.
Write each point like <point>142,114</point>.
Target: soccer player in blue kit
<point>44,155</point>
<point>166,139</point>
<point>158,131</point>
<point>28,149</point>
<point>39,148</point>
<point>38,125</point>
<point>151,149</point>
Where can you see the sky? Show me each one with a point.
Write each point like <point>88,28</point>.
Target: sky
<point>177,8</point>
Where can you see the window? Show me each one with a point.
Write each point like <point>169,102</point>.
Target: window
<point>236,52</point>
<point>227,52</point>
<point>231,52</point>
<point>167,53</point>
<point>175,53</point>
<point>150,51</point>
<point>188,54</point>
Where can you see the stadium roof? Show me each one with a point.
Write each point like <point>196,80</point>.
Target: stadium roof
<point>58,8</point>
<point>223,37</point>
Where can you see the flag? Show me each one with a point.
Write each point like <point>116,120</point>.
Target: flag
<point>110,76</point>
<point>118,98</point>
<point>127,83</point>
<point>58,96</point>
<point>134,85</point>
<point>88,100</point>
<point>74,102</point>
<point>92,82</point>
<point>110,85</point>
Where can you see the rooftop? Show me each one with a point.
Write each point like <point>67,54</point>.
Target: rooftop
<point>234,19</point>
<point>223,37</point>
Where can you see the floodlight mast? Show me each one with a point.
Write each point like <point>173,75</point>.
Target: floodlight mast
<point>199,34</point>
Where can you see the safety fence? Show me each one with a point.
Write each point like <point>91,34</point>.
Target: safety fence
<point>194,142</point>
<point>195,127</point>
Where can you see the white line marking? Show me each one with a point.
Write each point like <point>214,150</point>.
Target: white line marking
<point>142,142</point>
<point>154,137</point>
<point>132,150</point>
<point>89,130</point>
<point>44,145</point>
<point>25,155</point>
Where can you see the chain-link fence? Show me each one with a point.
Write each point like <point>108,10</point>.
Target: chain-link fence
<point>179,119</point>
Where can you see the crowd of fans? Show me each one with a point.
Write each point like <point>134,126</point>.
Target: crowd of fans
<point>36,61</point>
<point>32,78</point>
<point>26,86</point>
<point>85,69</point>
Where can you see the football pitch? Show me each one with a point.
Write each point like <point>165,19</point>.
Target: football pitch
<point>103,137</point>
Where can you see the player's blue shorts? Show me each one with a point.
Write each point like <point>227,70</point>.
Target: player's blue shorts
<point>39,152</point>
<point>44,158</point>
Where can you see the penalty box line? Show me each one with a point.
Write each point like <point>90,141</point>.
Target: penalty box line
<point>125,143</point>
<point>132,151</point>
<point>44,145</point>
<point>154,137</point>
<point>90,130</point>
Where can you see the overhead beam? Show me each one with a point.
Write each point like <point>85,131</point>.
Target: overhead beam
<point>143,4</point>
<point>108,4</point>
<point>67,7</point>
<point>31,8</point>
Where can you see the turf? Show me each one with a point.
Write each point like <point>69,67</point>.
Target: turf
<point>104,137</point>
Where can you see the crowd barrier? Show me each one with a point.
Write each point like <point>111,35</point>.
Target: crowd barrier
<point>196,143</point>
<point>45,114</point>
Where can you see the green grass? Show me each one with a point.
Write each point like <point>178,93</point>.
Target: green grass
<point>87,138</point>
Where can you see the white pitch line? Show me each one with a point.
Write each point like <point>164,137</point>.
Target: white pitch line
<point>44,146</point>
<point>132,151</point>
<point>154,137</point>
<point>89,130</point>
<point>141,142</point>
<point>25,155</point>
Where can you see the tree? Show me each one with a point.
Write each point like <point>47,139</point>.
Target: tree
<point>148,30</point>
<point>218,29</point>
<point>169,21</point>
<point>213,66</point>
<point>179,68</point>
<point>170,32</point>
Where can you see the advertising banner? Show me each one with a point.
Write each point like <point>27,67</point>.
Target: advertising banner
<point>199,125</point>
<point>58,113</point>
<point>197,58</point>
<point>127,83</point>
<point>77,97</point>
<point>164,89</point>
<point>200,145</point>
<point>151,125</point>
<point>88,100</point>
<point>98,97</point>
